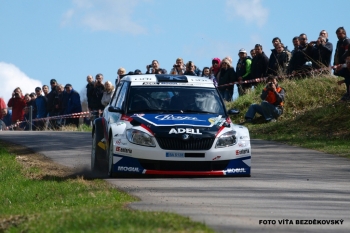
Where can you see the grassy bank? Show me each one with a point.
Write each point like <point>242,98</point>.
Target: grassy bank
<point>313,115</point>
<point>33,200</point>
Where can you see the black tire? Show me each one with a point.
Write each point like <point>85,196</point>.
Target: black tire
<point>109,151</point>
<point>98,154</point>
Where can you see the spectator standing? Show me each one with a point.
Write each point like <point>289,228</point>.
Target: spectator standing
<point>179,67</point>
<point>296,44</point>
<point>62,95</point>
<point>108,93</point>
<point>73,104</point>
<point>30,101</point>
<point>190,69</point>
<point>137,71</point>
<point>226,75</point>
<point>51,103</point>
<point>272,59</point>
<point>96,97</point>
<point>60,91</point>
<point>259,63</point>
<point>6,116</point>
<point>278,61</point>
<point>272,103</point>
<point>33,104</point>
<point>18,104</point>
<point>197,71</point>
<point>342,46</point>
<point>154,68</point>
<point>206,72</point>
<point>321,52</point>
<point>345,73</point>
<point>45,90</point>
<point>252,53</point>
<point>41,105</point>
<point>2,105</point>
<point>328,44</point>
<point>121,72</point>
<point>89,89</point>
<point>243,71</point>
<point>215,68</point>
<point>299,62</point>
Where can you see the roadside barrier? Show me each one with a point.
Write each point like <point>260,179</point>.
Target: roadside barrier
<point>58,117</point>
<point>290,76</point>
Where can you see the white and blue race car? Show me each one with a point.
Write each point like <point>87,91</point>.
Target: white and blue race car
<point>169,125</point>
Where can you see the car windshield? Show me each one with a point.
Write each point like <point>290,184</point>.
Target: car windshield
<point>174,99</point>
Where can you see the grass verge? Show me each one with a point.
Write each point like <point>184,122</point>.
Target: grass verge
<point>313,116</point>
<point>37,196</point>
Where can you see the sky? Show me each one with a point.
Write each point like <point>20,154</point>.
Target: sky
<point>67,40</point>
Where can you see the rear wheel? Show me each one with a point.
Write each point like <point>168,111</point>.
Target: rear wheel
<point>97,152</point>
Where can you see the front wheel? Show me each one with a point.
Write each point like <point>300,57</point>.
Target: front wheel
<point>110,158</point>
<point>97,152</point>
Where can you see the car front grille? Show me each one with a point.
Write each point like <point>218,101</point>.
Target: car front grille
<point>184,165</point>
<point>179,144</point>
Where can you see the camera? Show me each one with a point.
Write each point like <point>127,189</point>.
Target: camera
<point>16,94</point>
<point>150,66</point>
<point>270,84</point>
<point>176,66</point>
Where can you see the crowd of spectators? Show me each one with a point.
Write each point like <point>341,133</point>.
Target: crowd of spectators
<point>304,58</point>
<point>283,63</point>
<point>45,106</point>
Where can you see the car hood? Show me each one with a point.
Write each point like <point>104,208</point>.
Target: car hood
<point>194,120</point>
<point>173,125</point>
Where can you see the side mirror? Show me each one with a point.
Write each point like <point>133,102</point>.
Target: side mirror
<point>114,109</point>
<point>233,112</point>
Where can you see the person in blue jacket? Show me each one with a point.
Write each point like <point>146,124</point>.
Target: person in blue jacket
<point>5,120</point>
<point>73,104</point>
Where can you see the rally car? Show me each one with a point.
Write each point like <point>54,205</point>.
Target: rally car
<point>169,125</point>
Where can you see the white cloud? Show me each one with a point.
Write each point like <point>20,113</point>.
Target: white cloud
<point>251,11</point>
<point>104,15</point>
<point>12,77</point>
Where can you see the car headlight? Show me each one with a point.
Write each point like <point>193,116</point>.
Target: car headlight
<point>140,138</point>
<point>226,140</point>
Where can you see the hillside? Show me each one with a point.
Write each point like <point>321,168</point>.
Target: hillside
<point>313,115</point>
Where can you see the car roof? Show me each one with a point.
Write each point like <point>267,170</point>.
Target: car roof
<point>168,79</point>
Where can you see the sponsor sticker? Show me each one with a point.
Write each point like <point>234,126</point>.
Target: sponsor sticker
<point>120,142</point>
<point>235,170</point>
<point>138,115</point>
<point>217,157</point>
<point>217,121</point>
<point>124,150</point>
<point>149,83</point>
<point>126,118</point>
<point>173,154</point>
<point>242,152</point>
<point>177,118</point>
<point>128,169</point>
<point>183,130</point>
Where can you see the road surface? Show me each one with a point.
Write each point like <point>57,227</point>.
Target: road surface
<point>287,183</point>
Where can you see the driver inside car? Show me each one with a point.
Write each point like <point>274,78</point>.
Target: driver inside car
<point>184,100</point>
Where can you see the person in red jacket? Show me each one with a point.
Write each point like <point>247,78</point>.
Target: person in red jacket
<point>18,104</point>
<point>2,106</point>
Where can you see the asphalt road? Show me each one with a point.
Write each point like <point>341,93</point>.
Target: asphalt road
<point>287,183</point>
